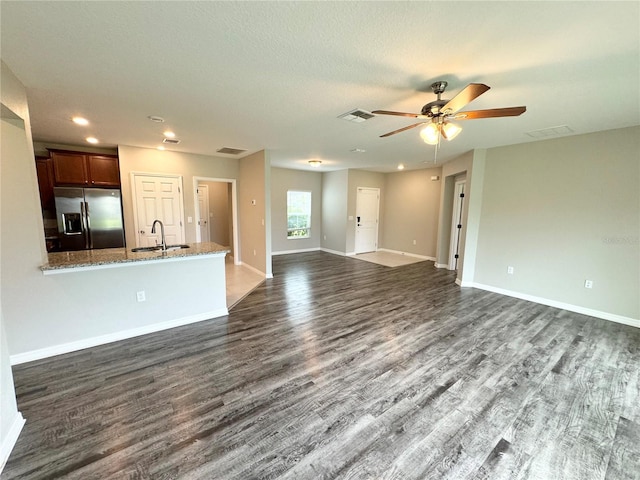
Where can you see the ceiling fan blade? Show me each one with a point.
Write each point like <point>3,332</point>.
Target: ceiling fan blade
<point>399,114</point>
<point>468,93</point>
<point>403,129</point>
<point>491,113</point>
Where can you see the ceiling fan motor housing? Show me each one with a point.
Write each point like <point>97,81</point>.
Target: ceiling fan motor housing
<point>432,109</point>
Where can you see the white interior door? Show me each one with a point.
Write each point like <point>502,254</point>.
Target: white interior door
<point>367,209</point>
<point>203,212</point>
<point>158,198</point>
<point>456,225</point>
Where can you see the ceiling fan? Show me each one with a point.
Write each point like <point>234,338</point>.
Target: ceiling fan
<point>439,113</point>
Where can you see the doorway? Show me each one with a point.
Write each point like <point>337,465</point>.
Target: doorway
<point>217,214</point>
<point>202,192</point>
<point>456,224</point>
<point>367,211</point>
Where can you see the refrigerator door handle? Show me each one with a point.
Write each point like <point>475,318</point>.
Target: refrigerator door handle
<point>84,208</point>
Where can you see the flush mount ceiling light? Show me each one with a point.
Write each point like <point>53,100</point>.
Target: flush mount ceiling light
<point>80,121</point>
<point>400,166</point>
<point>315,163</point>
<point>169,134</point>
<point>91,139</point>
<point>160,147</point>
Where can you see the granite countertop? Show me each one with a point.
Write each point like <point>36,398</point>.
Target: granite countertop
<point>114,256</point>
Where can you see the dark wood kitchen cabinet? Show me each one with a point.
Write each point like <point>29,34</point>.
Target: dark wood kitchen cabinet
<point>44,170</point>
<point>85,169</point>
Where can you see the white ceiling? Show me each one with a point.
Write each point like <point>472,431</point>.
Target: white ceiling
<point>276,75</point>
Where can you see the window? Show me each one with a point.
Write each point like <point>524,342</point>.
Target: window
<point>298,214</point>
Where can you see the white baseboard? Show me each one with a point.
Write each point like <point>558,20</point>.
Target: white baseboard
<point>441,265</point>
<point>350,254</point>
<point>334,252</point>
<point>254,269</point>
<point>10,440</point>
<point>634,322</point>
<point>41,353</point>
<point>302,250</point>
<point>398,252</point>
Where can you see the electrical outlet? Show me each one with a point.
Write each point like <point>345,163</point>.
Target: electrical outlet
<point>510,270</point>
<point>141,296</point>
<point>414,242</point>
<point>588,284</point>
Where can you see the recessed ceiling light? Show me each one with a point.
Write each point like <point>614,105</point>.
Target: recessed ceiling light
<point>169,134</point>
<point>400,166</point>
<point>315,163</point>
<point>92,139</point>
<point>160,147</point>
<point>80,121</point>
<point>156,119</point>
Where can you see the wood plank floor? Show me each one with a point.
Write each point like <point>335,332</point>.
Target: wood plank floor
<point>342,369</point>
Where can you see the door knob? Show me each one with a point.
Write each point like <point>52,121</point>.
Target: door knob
<point>142,232</point>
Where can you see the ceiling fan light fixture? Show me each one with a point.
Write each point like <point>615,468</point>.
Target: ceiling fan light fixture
<point>430,134</point>
<point>450,130</point>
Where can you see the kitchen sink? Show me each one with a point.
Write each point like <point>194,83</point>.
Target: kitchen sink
<point>158,248</point>
<point>176,247</point>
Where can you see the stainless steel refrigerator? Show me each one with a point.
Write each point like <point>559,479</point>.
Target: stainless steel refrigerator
<point>89,218</point>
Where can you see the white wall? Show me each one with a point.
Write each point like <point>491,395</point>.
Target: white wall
<point>282,180</point>
<point>188,165</point>
<point>560,212</point>
<point>21,237</point>
<point>254,211</point>
<point>334,210</point>
<point>410,210</point>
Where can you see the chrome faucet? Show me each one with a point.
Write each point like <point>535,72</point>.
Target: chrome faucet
<point>153,230</point>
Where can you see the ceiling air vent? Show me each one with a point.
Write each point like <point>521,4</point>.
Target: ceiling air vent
<point>356,115</point>
<point>172,141</point>
<point>550,132</point>
<point>231,151</point>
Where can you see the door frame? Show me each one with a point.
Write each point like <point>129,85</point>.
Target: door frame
<point>456,219</point>
<point>234,211</point>
<point>355,243</point>
<point>134,199</point>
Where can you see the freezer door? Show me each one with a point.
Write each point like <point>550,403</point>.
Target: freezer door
<point>104,217</point>
<point>71,220</point>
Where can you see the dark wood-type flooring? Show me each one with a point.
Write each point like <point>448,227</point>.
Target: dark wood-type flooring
<point>342,369</point>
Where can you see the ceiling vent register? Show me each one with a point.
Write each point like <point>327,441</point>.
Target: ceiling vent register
<point>172,141</point>
<point>357,115</point>
<point>231,151</point>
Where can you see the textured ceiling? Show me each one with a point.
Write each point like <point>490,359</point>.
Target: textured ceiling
<point>276,75</point>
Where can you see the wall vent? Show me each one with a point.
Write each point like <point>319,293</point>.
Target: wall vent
<point>172,141</point>
<point>230,151</point>
<point>356,115</point>
<point>550,132</point>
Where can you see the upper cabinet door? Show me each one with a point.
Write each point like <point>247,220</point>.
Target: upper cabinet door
<point>103,171</point>
<point>85,169</point>
<point>70,168</point>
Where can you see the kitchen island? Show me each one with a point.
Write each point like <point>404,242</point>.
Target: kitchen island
<point>101,296</point>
